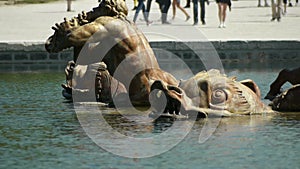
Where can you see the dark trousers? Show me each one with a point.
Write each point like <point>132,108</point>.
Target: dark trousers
<point>164,6</point>
<point>202,10</point>
<point>188,2</point>
<point>141,6</point>
<point>148,7</point>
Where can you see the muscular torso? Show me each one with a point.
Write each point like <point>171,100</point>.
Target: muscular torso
<point>124,49</point>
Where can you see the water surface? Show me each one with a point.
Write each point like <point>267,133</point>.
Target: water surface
<point>39,129</point>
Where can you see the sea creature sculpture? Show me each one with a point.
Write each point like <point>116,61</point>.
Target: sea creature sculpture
<point>209,93</point>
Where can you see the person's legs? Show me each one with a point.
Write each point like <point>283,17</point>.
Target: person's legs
<point>139,7</point>
<point>145,14</point>
<point>148,8</point>
<point>273,5</point>
<point>195,11</point>
<point>174,4</point>
<point>224,6</point>
<point>202,9</point>
<point>135,4</point>
<point>284,6</point>
<point>184,11</point>
<point>266,4</point>
<point>259,5</point>
<point>220,14</point>
<point>165,8</point>
<point>279,9</point>
<point>188,3</point>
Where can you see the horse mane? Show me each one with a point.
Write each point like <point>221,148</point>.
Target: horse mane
<point>113,8</point>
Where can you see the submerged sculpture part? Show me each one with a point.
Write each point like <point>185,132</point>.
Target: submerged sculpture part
<point>116,41</point>
<point>288,100</point>
<point>212,93</point>
<point>285,75</point>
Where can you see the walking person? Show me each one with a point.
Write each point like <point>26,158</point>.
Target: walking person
<point>222,7</point>
<point>69,2</point>
<point>202,11</point>
<point>188,4</point>
<point>276,9</point>
<point>148,7</point>
<point>141,6</point>
<point>164,6</point>
<point>135,4</point>
<point>176,3</point>
<point>266,3</point>
<point>284,7</point>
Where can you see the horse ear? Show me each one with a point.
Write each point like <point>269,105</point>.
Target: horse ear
<point>158,85</point>
<point>58,26</point>
<point>82,18</point>
<point>75,22</point>
<point>84,15</point>
<point>54,28</point>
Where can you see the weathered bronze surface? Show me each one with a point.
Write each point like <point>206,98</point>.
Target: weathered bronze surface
<point>107,28</point>
<point>116,47</point>
<point>211,93</point>
<point>288,100</point>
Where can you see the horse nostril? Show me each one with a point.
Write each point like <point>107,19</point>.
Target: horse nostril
<point>47,47</point>
<point>48,44</point>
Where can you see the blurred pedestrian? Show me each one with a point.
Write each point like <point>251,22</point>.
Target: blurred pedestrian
<point>276,9</point>
<point>135,4</point>
<point>188,4</point>
<point>148,7</point>
<point>266,3</point>
<point>202,11</point>
<point>69,2</point>
<point>222,7</point>
<point>141,6</point>
<point>176,3</point>
<point>164,6</point>
<point>291,5</point>
<point>284,7</point>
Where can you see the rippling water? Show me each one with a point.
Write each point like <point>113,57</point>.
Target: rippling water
<point>39,129</point>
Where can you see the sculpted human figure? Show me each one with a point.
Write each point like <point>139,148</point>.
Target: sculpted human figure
<point>113,39</point>
<point>112,45</point>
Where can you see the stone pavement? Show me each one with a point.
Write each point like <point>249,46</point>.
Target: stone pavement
<point>32,23</point>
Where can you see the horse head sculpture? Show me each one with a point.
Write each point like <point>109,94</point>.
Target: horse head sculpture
<point>285,75</point>
<point>60,40</point>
